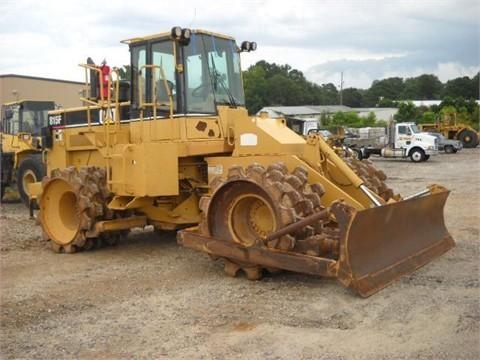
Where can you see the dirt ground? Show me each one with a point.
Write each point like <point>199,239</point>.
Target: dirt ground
<point>148,298</point>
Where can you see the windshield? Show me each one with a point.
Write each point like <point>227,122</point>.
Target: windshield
<point>325,133</point>
<point>28,117</point>
<point>212,74</point>
<point>414,129</point>
<point>34,116</point>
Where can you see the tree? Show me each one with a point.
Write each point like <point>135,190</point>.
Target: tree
<point>125,72</point>
<point>328,94</point>
<point>390,88</point>
<point>476,86</point>
<point>273,84</point>
<point>351,119</point>
<point>370,120</point>
<point>406,111</point>
<point>460,87</point>
<point>387,103</point>
<point>423,87</point>
<point>283,91</point>
<point>352,97</point>
<point>428,117</point>
<point>255,88</point>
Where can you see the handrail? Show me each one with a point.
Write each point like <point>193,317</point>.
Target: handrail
<point>110,113</point>
<point>153,103</point>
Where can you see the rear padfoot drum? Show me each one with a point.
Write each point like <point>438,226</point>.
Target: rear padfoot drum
<point>72,201</point>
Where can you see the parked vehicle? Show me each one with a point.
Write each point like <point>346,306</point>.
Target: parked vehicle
<point>325,133</point>
<point>21,144</point>
<point>452,129</point>
<point>402,140</point>
<point>448,145</point>
<point>303,126</point>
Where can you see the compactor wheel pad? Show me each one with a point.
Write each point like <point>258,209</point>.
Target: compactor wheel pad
<point>251,203</point>
<point>373,178</point>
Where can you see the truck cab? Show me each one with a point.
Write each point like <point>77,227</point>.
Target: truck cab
<point>303,126</point>
<point>408,141</point>
<point>403,140</point>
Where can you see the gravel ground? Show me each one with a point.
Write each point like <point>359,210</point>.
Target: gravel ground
<point>148,298</point>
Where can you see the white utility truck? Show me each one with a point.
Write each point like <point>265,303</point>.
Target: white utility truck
<point>401,141</point>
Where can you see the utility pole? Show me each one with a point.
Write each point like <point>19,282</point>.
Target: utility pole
<point>341,88</point>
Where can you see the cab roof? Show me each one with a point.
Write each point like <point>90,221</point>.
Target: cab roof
<point>168,35</point>
<point>21,101</point>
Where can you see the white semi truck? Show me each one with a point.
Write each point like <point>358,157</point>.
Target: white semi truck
<point>402,140</point>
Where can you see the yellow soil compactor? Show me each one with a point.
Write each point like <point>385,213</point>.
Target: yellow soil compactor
<point>175,148</point>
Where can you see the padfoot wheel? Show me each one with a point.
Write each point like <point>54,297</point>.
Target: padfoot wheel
<point>373,178</point>
<point>72,202</point>
<point>251,203</point>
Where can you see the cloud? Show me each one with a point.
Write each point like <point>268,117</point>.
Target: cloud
<point>319,38</point>
<point>361,73</point>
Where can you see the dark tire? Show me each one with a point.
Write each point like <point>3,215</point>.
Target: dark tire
<point>6,171</point>
<point>469,138</point>
<point>359,154</point>
<point>30,170</point>
<point>417,155</point>
<point>449,149</point>
<point>426,157</point>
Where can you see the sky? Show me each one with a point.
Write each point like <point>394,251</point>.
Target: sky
<point>366,40</point>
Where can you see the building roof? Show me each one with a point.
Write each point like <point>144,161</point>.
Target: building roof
<point>309,111</point>
<point>39,78</point>
<point>331,108</point>
<point>305,110</point>
<point>290,110</point>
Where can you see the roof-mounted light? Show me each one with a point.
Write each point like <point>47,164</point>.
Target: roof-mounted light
<point>248,46</point>
<point>181,35</point>
<point>186,34</point>
<point>176,32</point>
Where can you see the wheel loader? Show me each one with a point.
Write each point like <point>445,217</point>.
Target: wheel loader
<point>246,190</point>
<point>451,129</point>
<point>22,164</point>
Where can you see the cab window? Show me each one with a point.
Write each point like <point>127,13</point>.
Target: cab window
<point>403,130</point>
<point>198,87</point>
<point>139,59</point>
<point>163,74</point>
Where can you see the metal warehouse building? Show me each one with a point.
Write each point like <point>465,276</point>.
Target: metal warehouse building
<point>19,87</point>
<point>315,111</point>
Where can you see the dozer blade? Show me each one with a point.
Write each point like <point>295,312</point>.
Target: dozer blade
<point>381,244</point>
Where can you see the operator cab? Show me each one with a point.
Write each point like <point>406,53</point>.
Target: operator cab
<point>185,72</point>
<point>25,116</point>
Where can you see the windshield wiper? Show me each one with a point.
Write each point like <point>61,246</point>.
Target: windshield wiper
<point>217,79</point>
